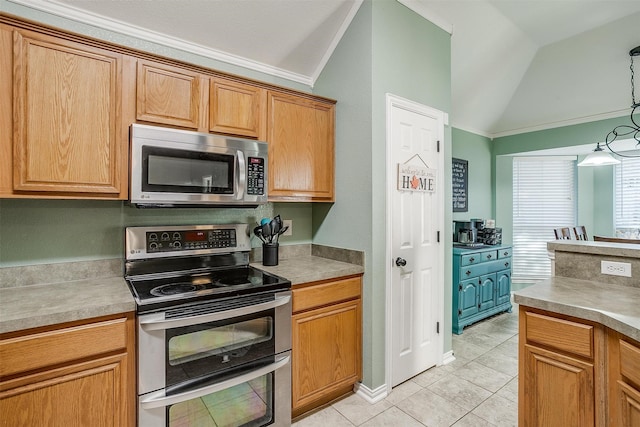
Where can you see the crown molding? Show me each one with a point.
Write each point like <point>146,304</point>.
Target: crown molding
<point>563,123</point>
<point>84,17</point>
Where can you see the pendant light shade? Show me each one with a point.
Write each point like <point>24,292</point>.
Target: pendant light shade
<point>599,157</point>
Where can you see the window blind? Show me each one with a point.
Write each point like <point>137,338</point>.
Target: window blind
<point>544,198</point>
<point>627,196</point>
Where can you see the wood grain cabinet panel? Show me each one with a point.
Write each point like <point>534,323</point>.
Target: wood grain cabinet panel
<point>71,375</point>
<point>301,148</point>
<point>623,381</point>
<point>326,342</point>
<point>169,95</point>
<point>68,135</point>
<point>6,111</point>
<point>237,108</point>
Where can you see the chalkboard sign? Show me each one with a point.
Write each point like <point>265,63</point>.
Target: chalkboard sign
<point>460,182</point>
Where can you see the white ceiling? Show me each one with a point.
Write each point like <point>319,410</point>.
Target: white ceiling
<point>517,65</point>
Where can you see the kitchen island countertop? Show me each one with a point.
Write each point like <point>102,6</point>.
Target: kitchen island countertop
<point>614,306</point>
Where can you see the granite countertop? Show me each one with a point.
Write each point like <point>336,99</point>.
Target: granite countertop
<point>614,306</point>
<point>49,304</point>
<point>597,248</point>
<point>310,268</point>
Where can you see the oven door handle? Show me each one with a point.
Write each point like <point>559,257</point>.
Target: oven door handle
<point>158,399</point>
<point>151,324</point>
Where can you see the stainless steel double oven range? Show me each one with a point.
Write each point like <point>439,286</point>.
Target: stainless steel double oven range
<point>214,334</point>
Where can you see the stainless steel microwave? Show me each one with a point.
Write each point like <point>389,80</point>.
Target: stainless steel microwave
<point>177,168</point>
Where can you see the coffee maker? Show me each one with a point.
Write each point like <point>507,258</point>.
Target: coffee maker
<point>466,232</point>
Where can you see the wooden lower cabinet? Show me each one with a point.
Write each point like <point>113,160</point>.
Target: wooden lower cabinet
<point>326,342</point>
<point>624,380</point>
<point>78,374</point>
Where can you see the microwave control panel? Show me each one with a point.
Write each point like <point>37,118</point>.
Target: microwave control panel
<point>255,176</point>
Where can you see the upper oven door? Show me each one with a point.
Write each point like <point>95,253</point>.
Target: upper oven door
<point>173,167</point>
<point>180,346</point>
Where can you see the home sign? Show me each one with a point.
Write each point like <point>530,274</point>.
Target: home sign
<point>416,178</point>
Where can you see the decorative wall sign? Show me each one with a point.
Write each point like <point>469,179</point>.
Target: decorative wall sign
<point>416,178</point>
<point>460,182</point>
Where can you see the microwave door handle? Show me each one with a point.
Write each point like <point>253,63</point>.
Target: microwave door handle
<point>158,399</point>
<point>157,324</point>
<point>241,176</point>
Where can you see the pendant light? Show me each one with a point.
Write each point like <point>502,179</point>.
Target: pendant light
<point>601,157</point>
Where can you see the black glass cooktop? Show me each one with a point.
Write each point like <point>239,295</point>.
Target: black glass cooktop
<point>176,288</point>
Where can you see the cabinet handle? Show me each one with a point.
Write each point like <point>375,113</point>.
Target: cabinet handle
<point>505,253</point>
<point>506,264</point>
<point>478,305</point>
<point>459,287</point>
<point>489,256</point>
<point>472,259</point>
<point>467,272</point>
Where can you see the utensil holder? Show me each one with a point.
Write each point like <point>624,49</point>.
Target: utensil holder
<point>270,253</point>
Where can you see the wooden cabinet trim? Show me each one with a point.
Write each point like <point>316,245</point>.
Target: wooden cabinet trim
<point>630,362</point>
<point>36,351</point>
<point>560,334</point>
<point>326,293</point>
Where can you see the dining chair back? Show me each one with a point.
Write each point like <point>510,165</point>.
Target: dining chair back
<point>562,233</point>
<point>580,232</point>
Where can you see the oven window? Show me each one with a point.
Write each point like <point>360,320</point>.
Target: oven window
<point>246,404</point>
<point>230,340</point>
<point>184,171</point>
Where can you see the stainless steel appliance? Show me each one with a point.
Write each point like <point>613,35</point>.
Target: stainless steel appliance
<point>171,167</point>
<point>214,334</point>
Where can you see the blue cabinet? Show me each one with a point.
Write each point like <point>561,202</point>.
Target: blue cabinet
<point>481,284</point>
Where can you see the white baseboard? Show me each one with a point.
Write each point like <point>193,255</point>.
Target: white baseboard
<point>371,396</point>
<point>448,357</point>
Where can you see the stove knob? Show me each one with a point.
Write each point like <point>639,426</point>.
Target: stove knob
<point>153,246</point>
<point>177,245</point>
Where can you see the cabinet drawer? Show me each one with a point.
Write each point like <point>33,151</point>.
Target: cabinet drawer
<point>564,335</point>
<point>484,268</point>
<point>470,259</point>
<point>326,293</point>
<point>504,253</point>
<point>630,362</point>
<point>489,256</point>
<point>49,348</point>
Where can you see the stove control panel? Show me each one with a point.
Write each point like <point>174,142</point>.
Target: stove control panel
<point>154,242</point>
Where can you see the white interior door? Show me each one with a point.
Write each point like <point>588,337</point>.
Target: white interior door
<point>414,137</point>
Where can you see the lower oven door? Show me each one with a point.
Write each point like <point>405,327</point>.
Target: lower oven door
<point>185,344</point>
<point>259,397</point>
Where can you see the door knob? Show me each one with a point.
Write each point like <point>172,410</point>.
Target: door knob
<point>401,262</point>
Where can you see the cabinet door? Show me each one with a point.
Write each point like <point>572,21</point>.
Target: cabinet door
<point>6,111</point>
<point>237,109</point>
<point>468,302</point>
<point>503,291</point>
<point>169,95</point>
<point>326,352</point>
<point>487,291</point>
<point>86,394</point>
<point>68,136</point>
<point>301,148</point>
<point>558,390</point>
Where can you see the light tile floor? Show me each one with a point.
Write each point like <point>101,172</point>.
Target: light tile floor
<point>478,389</point>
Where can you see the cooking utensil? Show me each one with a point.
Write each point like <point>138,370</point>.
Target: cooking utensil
<point>258,232</point>
<point>264,221</point>
<point>275,227</point>
<point>266,231</point>
<point>281,232</point>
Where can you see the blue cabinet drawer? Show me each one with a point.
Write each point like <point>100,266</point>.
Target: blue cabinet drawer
<point>504,253</point>
<point>489,255</point>
<point>470,259</point>
<point>470,271</point>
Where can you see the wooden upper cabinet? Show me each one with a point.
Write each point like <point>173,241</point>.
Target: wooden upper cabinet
<point>6,111</point>
<point>68,136</point>
<point>170,95</point>
<point>237,108</point>
<point>301,148</point>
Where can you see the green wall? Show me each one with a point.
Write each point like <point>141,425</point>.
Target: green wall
<point>387,49</point>
<point>595,184</point>
<point>476,150</point>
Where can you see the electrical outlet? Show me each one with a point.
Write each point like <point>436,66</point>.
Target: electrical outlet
<point>615,268</point>
<point>288,222</point>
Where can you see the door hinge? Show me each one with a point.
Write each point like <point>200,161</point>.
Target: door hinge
<point>438,146</point>
<point>437,327</point>
<point>438,237</point>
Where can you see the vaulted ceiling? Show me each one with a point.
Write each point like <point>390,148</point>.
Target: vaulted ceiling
<point>517,65</point>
